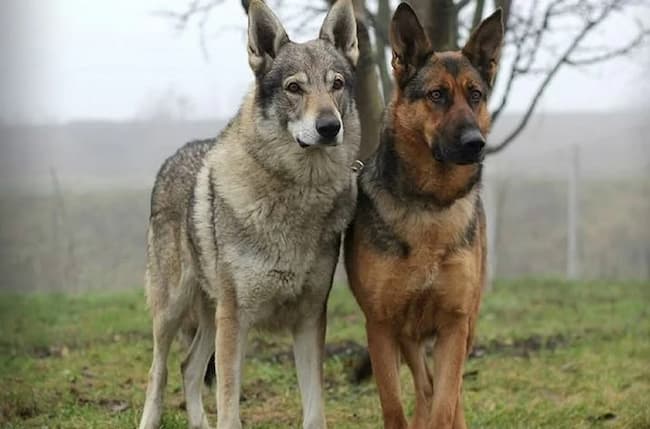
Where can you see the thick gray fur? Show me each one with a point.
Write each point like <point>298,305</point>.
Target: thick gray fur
<point>245,228</point>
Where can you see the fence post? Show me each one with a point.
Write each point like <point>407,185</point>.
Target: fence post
<point>491,215</point>
<point>573,200</point>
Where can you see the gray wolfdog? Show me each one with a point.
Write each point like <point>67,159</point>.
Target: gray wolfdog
<point>245,230</point>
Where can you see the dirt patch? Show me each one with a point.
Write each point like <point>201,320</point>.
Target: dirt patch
<point>522,347</point>
<point>338,350</point>
<point>18,409</point>
<point>113,405</point>
<point>63,350</point>
<point>602,417</point>
<point>357,360</point>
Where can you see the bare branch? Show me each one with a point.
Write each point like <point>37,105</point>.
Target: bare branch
<point>304,16</point>
<point>202,11</point>
<point>613,53</point>
<point>195,8</point>
<point>587,28</point>
<point>519,41</point>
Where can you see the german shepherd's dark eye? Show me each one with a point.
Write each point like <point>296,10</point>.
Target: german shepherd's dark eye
<point>337,84</point>
<point>437,96</point>
<point>294,88</point>
<point>475,96</point>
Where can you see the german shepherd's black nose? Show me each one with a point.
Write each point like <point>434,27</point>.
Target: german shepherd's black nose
<point>472,140</point>
<point>328,126</point>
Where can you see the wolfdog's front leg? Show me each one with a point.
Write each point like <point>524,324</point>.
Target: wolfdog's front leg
<point>308,349</point>
<point>230,351</point>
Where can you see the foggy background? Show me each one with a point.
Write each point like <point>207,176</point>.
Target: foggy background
<point>95,95</point>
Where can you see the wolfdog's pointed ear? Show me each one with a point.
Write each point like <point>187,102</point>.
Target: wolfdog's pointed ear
<point>410,44</point>
<point>265,36</point>
<point>340,29</point>
<point>483,48</point>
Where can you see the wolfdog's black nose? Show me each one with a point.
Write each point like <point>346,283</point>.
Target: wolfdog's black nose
<point>472,139</point>
<point>328,126</point>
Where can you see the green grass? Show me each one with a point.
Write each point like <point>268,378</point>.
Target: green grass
<point>551,354</point>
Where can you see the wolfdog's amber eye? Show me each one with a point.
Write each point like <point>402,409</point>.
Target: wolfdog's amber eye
<point>475,96</point>
<point>337,84</point>
<point>436,96</point>
<point>293,87</point>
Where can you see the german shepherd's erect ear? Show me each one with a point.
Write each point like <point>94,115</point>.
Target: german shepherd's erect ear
<point>410,44</point>
<point>484,46</point>
<point>340,29</point>
<point>265,37</point>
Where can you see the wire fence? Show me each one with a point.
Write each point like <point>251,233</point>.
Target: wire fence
<point>571,210</point>
<point>562,213</point>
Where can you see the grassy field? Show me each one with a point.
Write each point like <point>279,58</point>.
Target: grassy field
<point>549,354</point>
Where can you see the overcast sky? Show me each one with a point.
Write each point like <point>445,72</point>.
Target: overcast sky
<point>77,59</point>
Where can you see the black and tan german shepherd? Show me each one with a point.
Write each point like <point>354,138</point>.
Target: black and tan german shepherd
<point>415,254</point>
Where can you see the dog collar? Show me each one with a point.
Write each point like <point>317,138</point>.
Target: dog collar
<point>357,166</point>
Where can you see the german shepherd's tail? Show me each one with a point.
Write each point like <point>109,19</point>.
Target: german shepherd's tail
<point>363,368</point>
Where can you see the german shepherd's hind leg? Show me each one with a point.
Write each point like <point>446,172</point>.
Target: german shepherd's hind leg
<point>414,355</point>
<point>168,298</point>
<point>308,349</point>
<point>449,353</point>
<point>384,356</point>
<point>195,363</point>
<point>230,351</point>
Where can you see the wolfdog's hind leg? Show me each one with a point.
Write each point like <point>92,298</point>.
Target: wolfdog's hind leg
<point>169,301</point>
<point>195,363</point>
<point>164,331</point>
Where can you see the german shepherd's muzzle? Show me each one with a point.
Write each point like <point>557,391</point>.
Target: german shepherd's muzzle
<point>465,146</point>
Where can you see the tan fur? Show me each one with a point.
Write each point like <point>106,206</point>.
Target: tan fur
<point>415,254</point>
<point>433,292</point>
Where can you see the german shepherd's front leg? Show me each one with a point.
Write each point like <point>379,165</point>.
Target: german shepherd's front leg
<point>230,351</point>
<point>416,359</point>
<point>384,356</point>
<point>308,348</point>
<point>449,354</point>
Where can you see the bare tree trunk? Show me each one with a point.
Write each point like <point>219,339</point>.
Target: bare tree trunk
<point>478,13</point>
<point>369,99</point>
<point>440,21</point>
<point>505,6</point>
<point>381,24</point>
